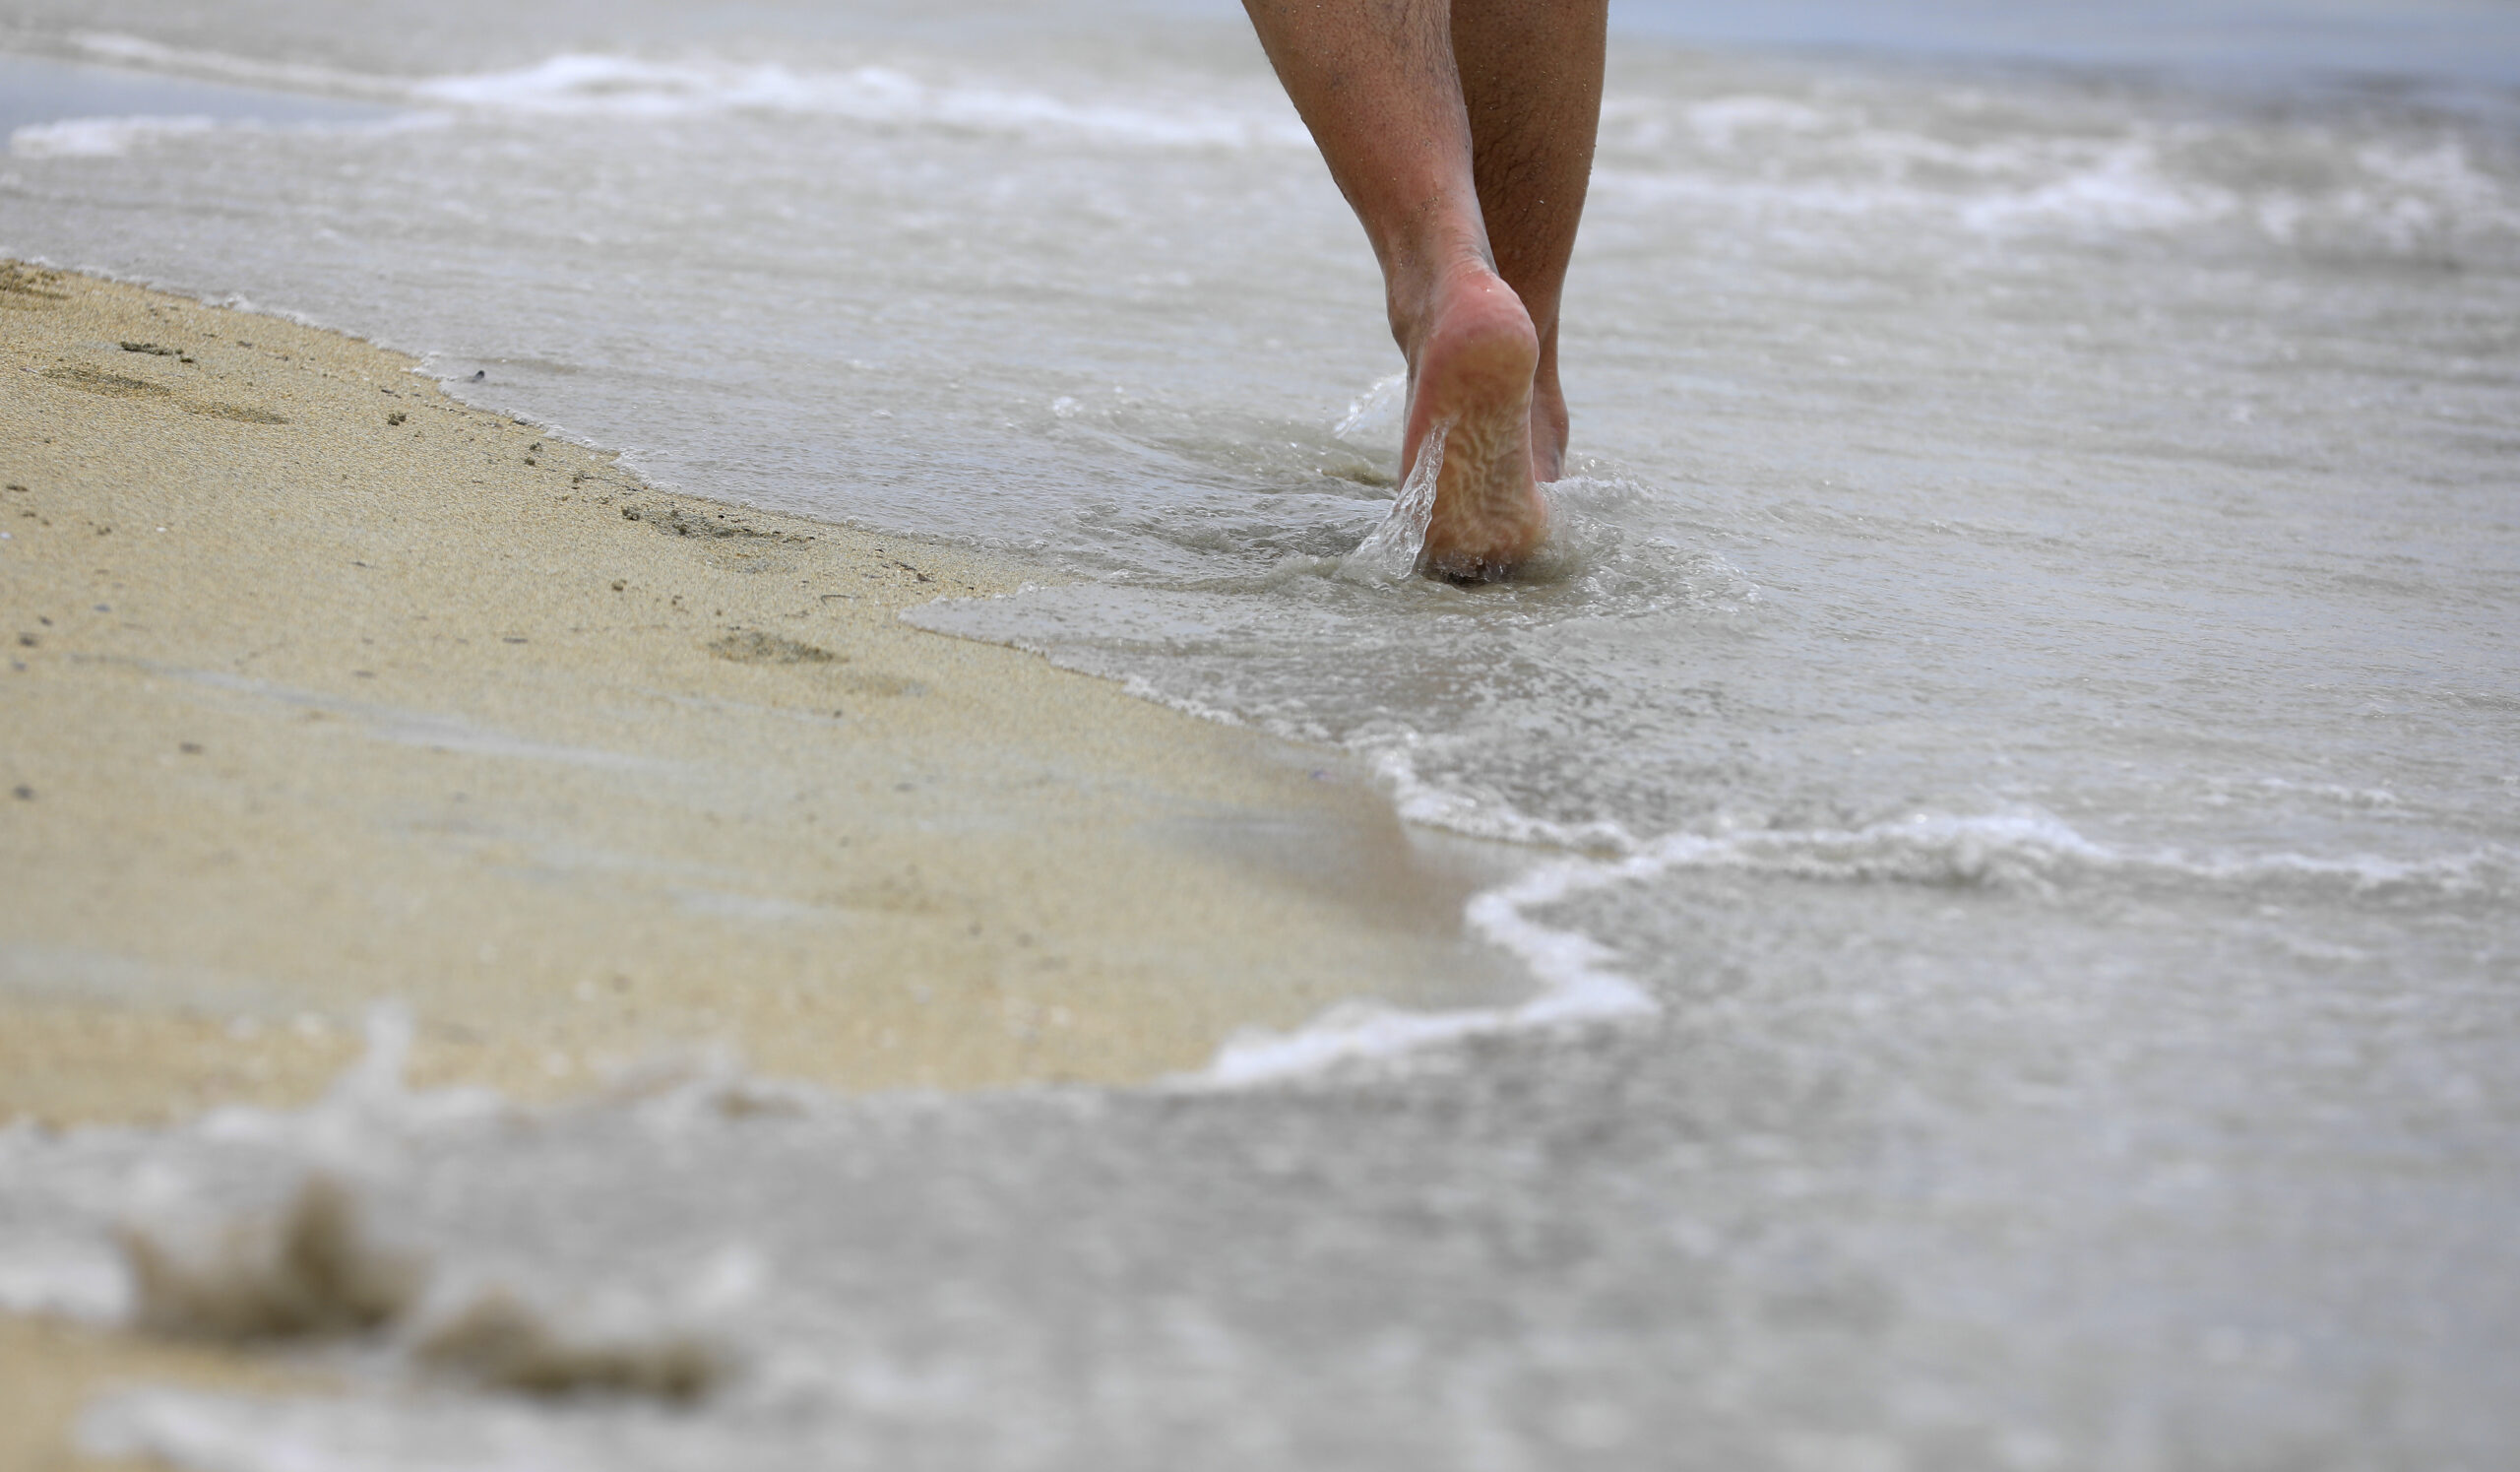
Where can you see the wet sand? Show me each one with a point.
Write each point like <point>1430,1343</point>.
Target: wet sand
<point>49,1369</point>
<point>324,689</point>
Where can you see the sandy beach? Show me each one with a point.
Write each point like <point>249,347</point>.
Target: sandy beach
<point>646,786</point>
<point>324,690</point>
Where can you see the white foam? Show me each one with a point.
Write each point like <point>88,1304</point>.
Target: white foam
<point>132,51</point>
<point>1474,812</point>
<point>2035,852</point>
<point>367,1111</point>
<point>2025,850</point>
<point>79,1279</point>
<point>1577,980</point>
<point>1775,157</point>
<point>2022,848</point>
<point>594,85</point>
<point>1577,986</point>
<point>100,137</point>
<point>1139,686</point>
<point>2126,189</point>
<point>587,85</point>
<point>1719,122</point>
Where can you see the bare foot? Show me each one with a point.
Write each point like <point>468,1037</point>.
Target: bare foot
<point>1472,375</point>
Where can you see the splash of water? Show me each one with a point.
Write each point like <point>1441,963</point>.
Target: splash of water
<point>1391,553</point>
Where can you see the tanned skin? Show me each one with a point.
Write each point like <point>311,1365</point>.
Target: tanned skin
<point>1461,132</point>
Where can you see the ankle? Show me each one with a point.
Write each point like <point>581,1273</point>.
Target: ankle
<point>1424,290</point>
<point>1550,425</point>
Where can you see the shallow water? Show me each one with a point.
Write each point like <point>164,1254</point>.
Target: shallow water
<point>2016,738</point>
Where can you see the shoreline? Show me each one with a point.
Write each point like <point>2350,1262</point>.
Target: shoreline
<point>328,689</point>
<point>324,689</point>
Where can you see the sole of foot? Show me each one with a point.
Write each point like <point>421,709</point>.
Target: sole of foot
<point>1472,383</point>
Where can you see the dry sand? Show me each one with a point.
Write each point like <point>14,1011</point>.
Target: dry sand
<point>322,688</point>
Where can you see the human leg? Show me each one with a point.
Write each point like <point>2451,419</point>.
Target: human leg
<point>1531,83</point>
<point>1379,84</point>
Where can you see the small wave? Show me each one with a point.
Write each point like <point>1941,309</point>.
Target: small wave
<point>594,85</point>
<point>2034,851</point>
<point>585,85</point>
<point>2022,852</point>
<point>1475,812</point>
<point>186,61</point>
<point>100,137</point>
<point>2411,184</point>
<point>1577,986</point>
<point>251,1226</point>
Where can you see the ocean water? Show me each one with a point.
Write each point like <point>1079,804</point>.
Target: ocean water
<point>2017,740</point>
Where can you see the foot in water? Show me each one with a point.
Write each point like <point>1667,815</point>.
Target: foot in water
<point>1471,380</point>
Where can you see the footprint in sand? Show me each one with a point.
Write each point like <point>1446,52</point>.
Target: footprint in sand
<point>124,386</point>
<point>753,647</point>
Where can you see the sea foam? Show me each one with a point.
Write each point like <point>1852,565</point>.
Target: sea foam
<point>583,84</point>
<point>100,137</point>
